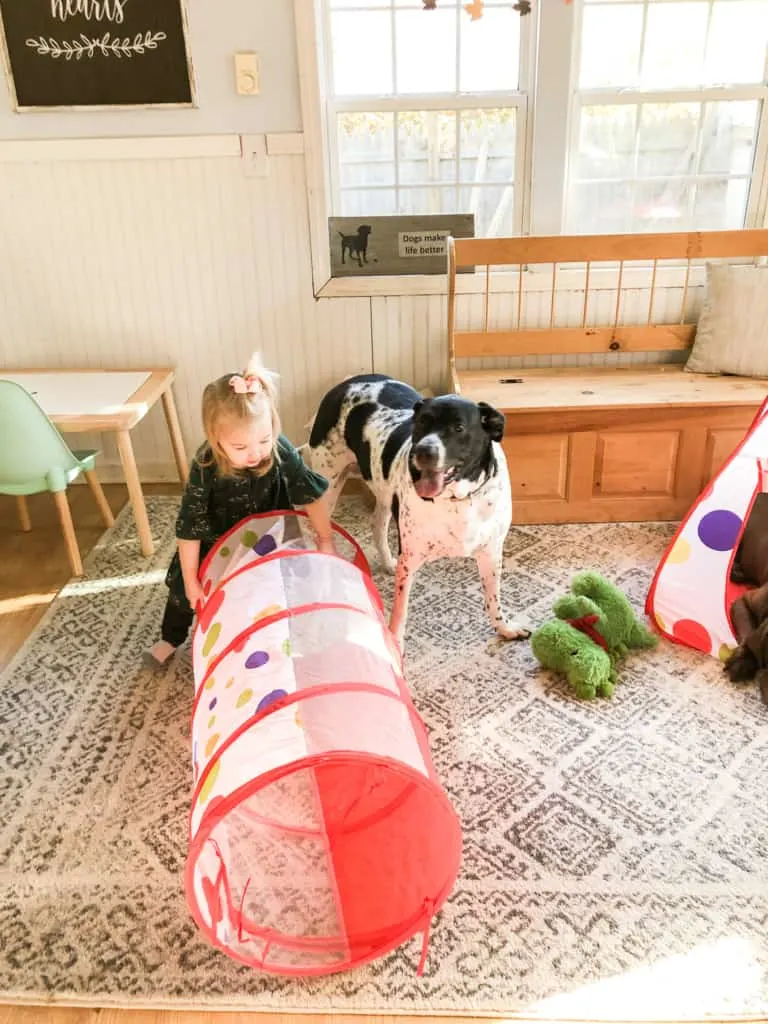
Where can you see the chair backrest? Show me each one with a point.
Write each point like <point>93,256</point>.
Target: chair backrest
<point>31,448</point>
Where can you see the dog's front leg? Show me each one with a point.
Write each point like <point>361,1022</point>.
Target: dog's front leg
<point>403,581</point>
<point>381,518</point>
<point>489,562</point>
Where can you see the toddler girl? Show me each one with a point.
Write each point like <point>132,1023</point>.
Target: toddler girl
<point>245,466</point>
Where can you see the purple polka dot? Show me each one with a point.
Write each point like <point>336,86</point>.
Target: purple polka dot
<point>213,703</point>
<point>265,545</point>
<point>257,659</point>
<point>720,530</point>
<point>271,698</point>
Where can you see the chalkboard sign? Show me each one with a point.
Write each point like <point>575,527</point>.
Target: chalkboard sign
<point>96,53</point>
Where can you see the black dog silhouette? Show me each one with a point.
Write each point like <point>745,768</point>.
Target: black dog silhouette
<point>357,244</point>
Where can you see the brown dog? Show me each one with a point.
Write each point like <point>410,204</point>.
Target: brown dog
<point>749,613</point>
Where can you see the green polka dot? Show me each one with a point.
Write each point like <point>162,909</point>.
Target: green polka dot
<point>244,697</point>
<point>225,552</point>
<point>249,539</point>
<point>211,638</point>
<point>209,783</point>
<point>287,648</point>
<point>210,683</point>
<point>211,720</point>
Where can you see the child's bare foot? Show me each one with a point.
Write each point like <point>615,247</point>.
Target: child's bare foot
<point>158,654</point>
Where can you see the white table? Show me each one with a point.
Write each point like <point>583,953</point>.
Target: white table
<point>111,401</point>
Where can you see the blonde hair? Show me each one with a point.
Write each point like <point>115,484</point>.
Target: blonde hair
<point>244,397</point>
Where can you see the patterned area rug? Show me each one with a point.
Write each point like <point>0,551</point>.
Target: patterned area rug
<point>615,858</point>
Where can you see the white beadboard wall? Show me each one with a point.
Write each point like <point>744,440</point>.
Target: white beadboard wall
<point>187,262</point>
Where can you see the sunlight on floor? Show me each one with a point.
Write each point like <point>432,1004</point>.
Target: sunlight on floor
<point>719,978</point>
<point>76,588</point>
<point>12,605</point>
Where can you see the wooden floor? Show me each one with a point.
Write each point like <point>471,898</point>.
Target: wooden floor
<point>34,568</point>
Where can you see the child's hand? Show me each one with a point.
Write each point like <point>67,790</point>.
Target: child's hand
<point>194,592</point>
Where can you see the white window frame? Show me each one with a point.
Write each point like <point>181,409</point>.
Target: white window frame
<point>547,79</point>
<point>755,214</point>
<point>321,163</point>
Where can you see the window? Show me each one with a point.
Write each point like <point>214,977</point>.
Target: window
<point>425,111</point>
<point>667,115</point>
<point>585,116</point>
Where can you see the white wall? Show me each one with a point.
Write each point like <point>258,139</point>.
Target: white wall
<point>217,29</point>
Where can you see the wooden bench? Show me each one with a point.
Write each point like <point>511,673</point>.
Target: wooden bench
<point>610,443</point>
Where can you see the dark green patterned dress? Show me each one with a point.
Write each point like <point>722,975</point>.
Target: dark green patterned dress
<point>212,504</point>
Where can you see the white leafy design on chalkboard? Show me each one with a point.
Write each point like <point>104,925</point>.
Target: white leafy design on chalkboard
<point>87,46</point>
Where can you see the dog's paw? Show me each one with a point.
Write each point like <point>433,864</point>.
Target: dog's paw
<point>389,563</point>
<point>512,631</point>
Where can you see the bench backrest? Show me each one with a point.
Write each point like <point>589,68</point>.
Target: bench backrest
<point>588,251</point>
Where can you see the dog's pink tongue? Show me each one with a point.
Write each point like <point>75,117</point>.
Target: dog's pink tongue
<point>429,485</point>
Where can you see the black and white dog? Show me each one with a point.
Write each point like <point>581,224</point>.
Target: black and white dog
<point>435,464</point>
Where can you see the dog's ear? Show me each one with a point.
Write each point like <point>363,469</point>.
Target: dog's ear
<point>492,420</point>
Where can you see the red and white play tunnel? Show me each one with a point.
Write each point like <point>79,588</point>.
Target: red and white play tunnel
<point>320,836</point>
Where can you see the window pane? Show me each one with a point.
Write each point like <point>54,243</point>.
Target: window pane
<point>599,209</point>
<point>366,149</point>
<point>607,142</point>
<point>661,206</point>
<point>668,138</point>
<point>361,69</point>
<point>492,206</point>
<point>721,204</point>
<point>487,145</point>
<point>426,50</point>
<point>426,146</point>
<point>610,45</point>
<point>368,203</point>
<point>729,137</point>
<point>490,51</point>
<point>427,200</point>
<point>737,42</point>
<point>675,38</point>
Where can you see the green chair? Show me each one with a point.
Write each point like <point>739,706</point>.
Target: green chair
<point>34,457</point>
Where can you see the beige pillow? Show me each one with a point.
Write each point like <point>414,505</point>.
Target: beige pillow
<point>732,335</point>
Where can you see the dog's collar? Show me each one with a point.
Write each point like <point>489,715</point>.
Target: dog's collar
<point>472,494</point>
<point>466,497</point>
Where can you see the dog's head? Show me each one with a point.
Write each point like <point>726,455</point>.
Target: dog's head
<point>452,441</point>
<point>363,231</point>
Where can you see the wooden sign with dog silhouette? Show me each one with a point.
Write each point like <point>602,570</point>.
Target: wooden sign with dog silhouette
<point>394,245</point>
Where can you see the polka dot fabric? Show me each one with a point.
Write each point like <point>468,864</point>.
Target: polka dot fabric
<point>690,594</point>
<point>311,767</point>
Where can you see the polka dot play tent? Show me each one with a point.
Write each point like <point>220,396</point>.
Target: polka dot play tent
<point>691,594</point>
<point>320,837</point>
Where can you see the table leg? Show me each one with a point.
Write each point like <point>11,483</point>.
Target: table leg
<point>125,447</point>
<point>26,522</point>
<point>177,442</point>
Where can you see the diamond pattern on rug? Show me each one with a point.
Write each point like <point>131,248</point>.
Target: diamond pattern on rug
<point>615,853</point>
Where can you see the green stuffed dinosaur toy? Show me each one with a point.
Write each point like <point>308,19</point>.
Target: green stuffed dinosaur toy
<point>595,628</point>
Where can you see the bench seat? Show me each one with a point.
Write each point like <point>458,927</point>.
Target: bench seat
<point>588,444</point>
